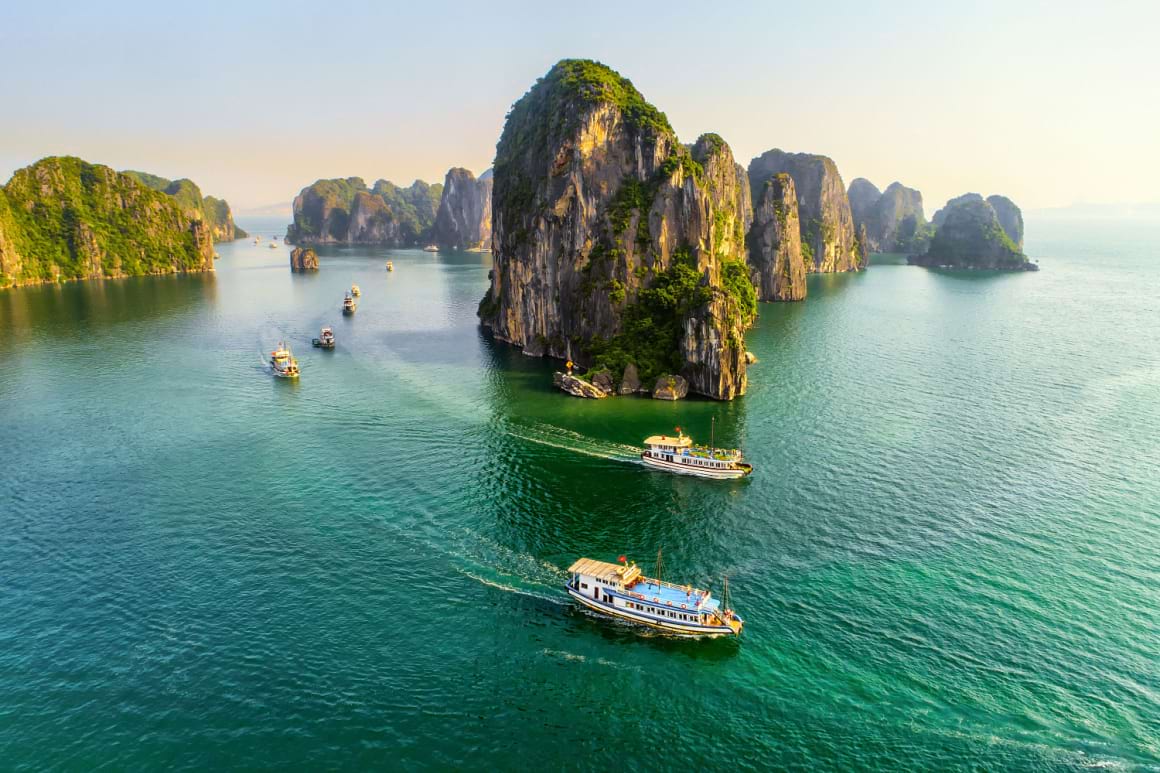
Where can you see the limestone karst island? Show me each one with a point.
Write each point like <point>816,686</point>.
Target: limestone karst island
<point>453,386</point>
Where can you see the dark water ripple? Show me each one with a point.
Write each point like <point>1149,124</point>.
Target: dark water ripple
<point>948,556</point>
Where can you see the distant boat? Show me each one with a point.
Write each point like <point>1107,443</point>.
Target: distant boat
<point>257,239</point>
<point>679,455</point>
<point>325,339</point>
<point>282,362</point>
<point>355,291</point>
<point>390,266</point>
<point>349,305</point>
<point>273,246</point>
<point>431,248</point>
<point>621,590</point>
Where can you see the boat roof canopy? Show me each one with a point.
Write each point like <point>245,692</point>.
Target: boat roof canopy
<point>681,441</point>
<point>602,570</point>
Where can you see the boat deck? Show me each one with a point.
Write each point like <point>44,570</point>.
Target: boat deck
<point>668,593</point>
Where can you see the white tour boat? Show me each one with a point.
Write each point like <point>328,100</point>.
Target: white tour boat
<point>679,454</point>
<point>431,248</point>
<point>620,590</point>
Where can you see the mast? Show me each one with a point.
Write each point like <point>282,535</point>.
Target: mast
<point>660,566</point>
<point>725,595</point>
<point>712,436</point>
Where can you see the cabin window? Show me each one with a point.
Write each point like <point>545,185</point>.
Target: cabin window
<point>584,585</point>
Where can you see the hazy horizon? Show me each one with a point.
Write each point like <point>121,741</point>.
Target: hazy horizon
<point>1050,106</point>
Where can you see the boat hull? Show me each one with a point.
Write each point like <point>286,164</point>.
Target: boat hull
<point>674,628</point>
<point>730,473</point>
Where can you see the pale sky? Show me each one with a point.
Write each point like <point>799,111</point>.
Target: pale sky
<point>1048,103</point>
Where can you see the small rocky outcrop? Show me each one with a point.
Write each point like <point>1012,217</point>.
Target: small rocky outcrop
<point>347,212</point>
<point>670,387</point>
<point>303,259</point>
<point>971,237</point>
<point>630,381</point>
<point>602,380</point>
<point>1010,218</point>
<point>828,235</point>
<point>750,358</point>
<point>775,247</point>
<point>612,238</point>
<point>63,218</point>
<point>576,386</point>
<point>464,216</point>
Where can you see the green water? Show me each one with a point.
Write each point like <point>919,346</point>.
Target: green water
<point>947,557</point>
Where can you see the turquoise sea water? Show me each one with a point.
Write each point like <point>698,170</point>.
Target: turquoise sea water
<point>949,556</point>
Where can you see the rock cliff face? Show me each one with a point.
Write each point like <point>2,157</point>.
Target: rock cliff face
<point>63,218</point>
<point>775,246</point>
<point>828,235</point>
<point>614,241</point>
<point>894,220</point>
<point>971,236</point>
<point>863,195</point>
<point>464,216</point>
<point>215,212</point>
<point>941,215</point>
<point>347,212</point>
<point>1010,217</point>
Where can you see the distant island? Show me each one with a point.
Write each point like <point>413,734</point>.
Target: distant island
<point>63,218</point>
<point>455,214</point>
<point>345,211</point>
<point>976,233</point>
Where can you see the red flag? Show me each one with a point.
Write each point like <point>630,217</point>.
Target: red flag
<point>678,430</point>
<point>622,560</point>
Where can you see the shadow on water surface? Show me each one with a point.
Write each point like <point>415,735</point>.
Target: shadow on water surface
<point>65,310</point>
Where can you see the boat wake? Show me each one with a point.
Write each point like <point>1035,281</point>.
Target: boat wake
<point>512,588</point>
<point>567,440</point>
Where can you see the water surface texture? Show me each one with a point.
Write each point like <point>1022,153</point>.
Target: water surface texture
<point>949,556</point>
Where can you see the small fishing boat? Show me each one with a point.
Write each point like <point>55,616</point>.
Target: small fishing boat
<point>273,246</point>
<point>390,266</point>
<point>257,239</point>
<point>325,339</point>
<point>282,362</point>
<point>355,291</point>
<point>621,590</point>
<point>349,305</point>
<point>431,248</point>
<point>680,455</point>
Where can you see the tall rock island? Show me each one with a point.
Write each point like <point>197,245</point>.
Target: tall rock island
<point>775,244</point>
<point>828,234</point>
<point>615,243</point>
<point>971,235</point>
<point>464,216</point>
<point>347,212</point>
<point>894,219</point>
<point>63,218</point>
<point>215,212</point>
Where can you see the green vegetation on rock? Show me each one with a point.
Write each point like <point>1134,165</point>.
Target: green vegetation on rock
<point>652,325</point>
<point>63,218</point>
<point>214,211</point>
